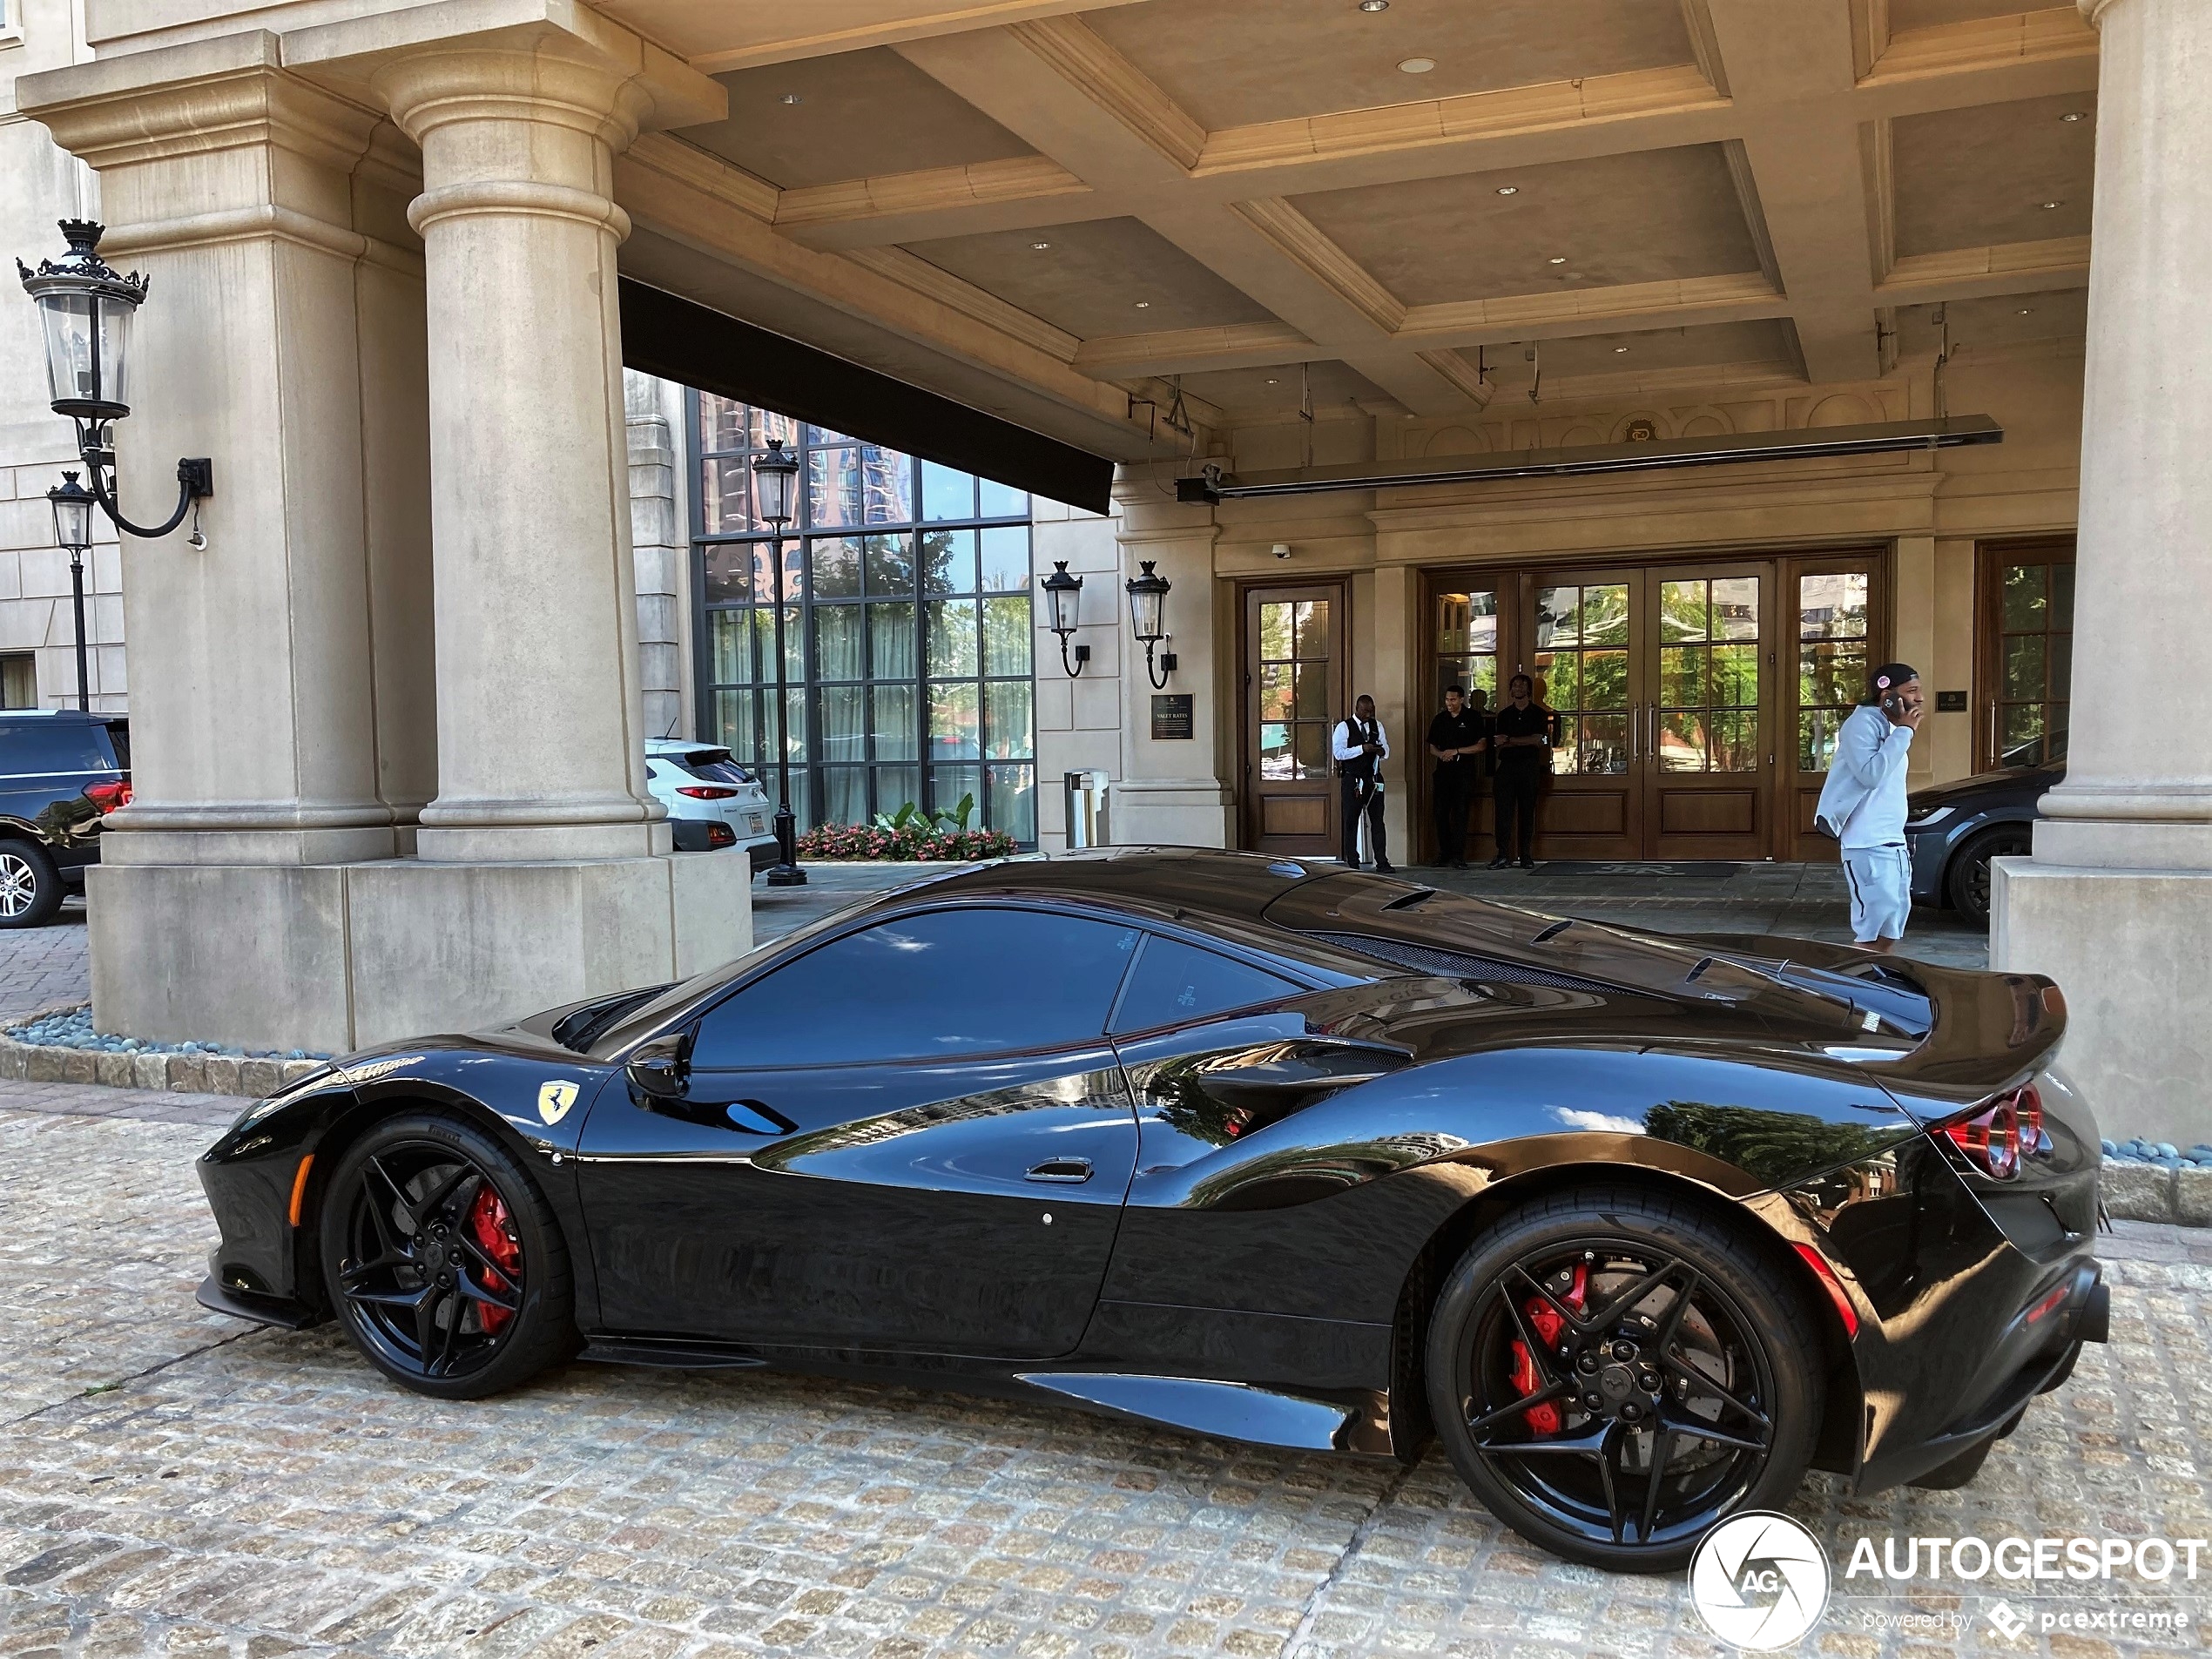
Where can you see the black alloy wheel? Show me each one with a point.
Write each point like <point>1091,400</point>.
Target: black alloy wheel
<point>30,887</point>
<point>1966,882</point>
<point>444,1261</point>
<point>1613,1372</point>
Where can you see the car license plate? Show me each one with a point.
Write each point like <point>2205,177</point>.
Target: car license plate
<point>752,821</point>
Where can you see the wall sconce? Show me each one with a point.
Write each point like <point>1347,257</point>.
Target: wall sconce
<point>1148,605</point>
<point>85,309</point>
<point>1061,592</point>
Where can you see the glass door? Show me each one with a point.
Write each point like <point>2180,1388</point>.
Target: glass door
<point>1585,658</point>
<point>1293,697</point>
<point>2026,668</point>
<point>1703,752</point>
<point>1829,614</point>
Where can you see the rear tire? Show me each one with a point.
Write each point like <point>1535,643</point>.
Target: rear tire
<point>1966,882</point>
<point>1717,1340</point>
<point>30,887</point>
<point>444,1261</point>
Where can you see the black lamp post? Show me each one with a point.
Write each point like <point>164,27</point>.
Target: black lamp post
<point>85,309</point>
<point>776,483</point>
<point>1061,594</point>
<point>1147,607</point>
<point>72,505</point>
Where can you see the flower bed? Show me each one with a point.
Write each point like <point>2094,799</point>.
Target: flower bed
<point>909,843</point>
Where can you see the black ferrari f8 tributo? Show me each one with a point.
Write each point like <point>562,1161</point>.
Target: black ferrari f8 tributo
<point>1641,1228</point>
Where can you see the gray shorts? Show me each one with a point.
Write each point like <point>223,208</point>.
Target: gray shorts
<point>1881,890</point>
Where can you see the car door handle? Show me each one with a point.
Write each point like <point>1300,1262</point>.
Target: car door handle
<point>1063,1169</point>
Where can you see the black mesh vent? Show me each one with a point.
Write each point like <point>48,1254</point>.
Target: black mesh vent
<point>1455,964</point>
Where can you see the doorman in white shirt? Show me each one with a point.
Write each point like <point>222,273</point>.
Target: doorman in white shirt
<point>1861,805</point>
<point>1360,748</point>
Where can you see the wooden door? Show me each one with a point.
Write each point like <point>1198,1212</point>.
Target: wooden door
<point>2023,663</point>
<point>1702,748</point>
<point>1578,642</point>
<point>1294,661</point>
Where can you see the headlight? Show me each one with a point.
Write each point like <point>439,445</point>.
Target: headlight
<point>1928,820</point>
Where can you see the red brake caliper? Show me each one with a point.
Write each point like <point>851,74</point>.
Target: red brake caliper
<point>1545,1318</point>
<point>494,1231</point>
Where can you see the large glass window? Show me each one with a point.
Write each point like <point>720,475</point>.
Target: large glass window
<point>2032,633</point>
<point>907,625</point>
<point>1708,674</point>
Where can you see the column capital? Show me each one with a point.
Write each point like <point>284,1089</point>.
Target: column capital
<point>2093,11</point>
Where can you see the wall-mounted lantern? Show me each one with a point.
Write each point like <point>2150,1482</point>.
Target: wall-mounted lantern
<point>85,309</point>
<point>1147,607</point>
<point>1061,594</point>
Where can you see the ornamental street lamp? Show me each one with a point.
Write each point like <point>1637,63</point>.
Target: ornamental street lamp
<point>1147,606</point>
<point>775,477</point>
<point>72,505</point>
<point>1062,593</point>
<point>85,309</point>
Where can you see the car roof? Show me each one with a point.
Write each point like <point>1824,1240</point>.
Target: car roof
<point>1165,880</point>
<point>67,717</point>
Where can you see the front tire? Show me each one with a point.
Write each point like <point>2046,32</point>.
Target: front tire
<point>444,1262</point>
<point>1612,1372</point>
<point>30,887</point>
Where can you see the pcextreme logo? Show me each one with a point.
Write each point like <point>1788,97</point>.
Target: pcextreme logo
<point>1759,1580</point>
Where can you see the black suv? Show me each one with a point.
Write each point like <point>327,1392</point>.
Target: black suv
<point>60,771</point>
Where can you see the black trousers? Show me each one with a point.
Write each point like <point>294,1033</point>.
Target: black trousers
<point>1452,800</point>
<point>1516,791</point>
<point>1354,803</point>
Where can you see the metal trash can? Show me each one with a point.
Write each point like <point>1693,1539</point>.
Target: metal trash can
<point>1086,803</point>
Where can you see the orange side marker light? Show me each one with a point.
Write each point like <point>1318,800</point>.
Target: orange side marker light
<point>299,1186</point>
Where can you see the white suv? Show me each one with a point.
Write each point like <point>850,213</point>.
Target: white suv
<point>712,801</point>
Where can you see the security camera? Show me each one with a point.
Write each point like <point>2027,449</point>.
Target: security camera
<point>1281,550</point>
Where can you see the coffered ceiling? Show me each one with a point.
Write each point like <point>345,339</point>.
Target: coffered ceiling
<point>1227,191</point>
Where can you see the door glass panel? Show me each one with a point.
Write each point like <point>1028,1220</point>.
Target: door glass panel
<point>1313,758</point>
<point>935,985</point>
<point>1576,674</point>
<point>1831,659</point>
<point>1706,687</point>
<point>1313,691</point>
<point>2034,650</point>
<point>1295,679</point>
<point>1313,630</point>
<point>1276,760</point>
<point>1277,691</point>
<point>1466,644</point>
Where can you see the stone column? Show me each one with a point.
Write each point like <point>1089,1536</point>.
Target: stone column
<point>2116,903</point>
<point>540,749</point>
<point>660,544</point>
<point>1172,790</point>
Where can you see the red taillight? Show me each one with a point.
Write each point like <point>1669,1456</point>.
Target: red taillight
<point>704,791</point>
<point>1995,1137</point>
<point>721,835</point>
<point>108,797</point>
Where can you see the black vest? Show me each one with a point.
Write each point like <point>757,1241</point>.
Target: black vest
<point>1360,766</point>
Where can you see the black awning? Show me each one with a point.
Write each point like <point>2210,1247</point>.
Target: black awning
<point>697,345</point>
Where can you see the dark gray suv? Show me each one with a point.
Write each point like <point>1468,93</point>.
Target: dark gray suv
<point>1954,829</point>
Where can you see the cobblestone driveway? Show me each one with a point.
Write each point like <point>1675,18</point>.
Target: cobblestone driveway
<point>172,1482</point>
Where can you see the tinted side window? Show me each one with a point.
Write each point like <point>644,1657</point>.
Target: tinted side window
<point>1174,982</point>
<point>944,983</point>
<point>53,745</point>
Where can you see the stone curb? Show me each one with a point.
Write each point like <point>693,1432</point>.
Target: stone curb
<point>2152,1193</point>
<point>184,1074</point>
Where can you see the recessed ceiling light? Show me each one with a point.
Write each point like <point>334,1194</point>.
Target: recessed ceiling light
<point>1143,304</point>
<point>2076,115</point>
<point>1273,380</point>
<point>1417,65</point>
<point>1618,350</point>
<point>1374,5</point>
<point>2027,310</point>
<point>1041,246</point>
<point>1559,258</point>
<point>2049,205</point>
<point>1508,190</point>
<point>790,98</point>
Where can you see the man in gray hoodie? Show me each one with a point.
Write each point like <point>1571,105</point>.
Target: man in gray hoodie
<point>1861,805</point>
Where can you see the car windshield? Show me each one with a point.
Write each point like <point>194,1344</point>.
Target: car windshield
<point>713,766</point>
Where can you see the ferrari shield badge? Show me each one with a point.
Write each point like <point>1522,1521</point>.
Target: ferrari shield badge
<point>554,1099</point>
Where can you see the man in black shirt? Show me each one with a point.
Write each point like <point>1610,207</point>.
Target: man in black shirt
<point>1521,746</point>
<point>1457,738</point>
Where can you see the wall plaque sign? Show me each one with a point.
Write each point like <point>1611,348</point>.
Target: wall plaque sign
<point>1171,716</point>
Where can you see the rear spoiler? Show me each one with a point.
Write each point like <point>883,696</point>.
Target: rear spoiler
<point>1992,1032</point>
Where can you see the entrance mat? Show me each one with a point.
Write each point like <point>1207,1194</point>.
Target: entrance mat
<point>1702,869</point>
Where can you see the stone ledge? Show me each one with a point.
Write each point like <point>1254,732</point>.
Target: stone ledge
<point>2134,1191</point>
<point>184,1074</point>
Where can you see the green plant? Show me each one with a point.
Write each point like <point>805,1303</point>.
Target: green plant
<point>911,817</point>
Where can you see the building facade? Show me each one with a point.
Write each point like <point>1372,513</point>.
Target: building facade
<point>1317,289</point>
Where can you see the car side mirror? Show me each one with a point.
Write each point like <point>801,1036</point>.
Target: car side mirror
<point>661,1069</point>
